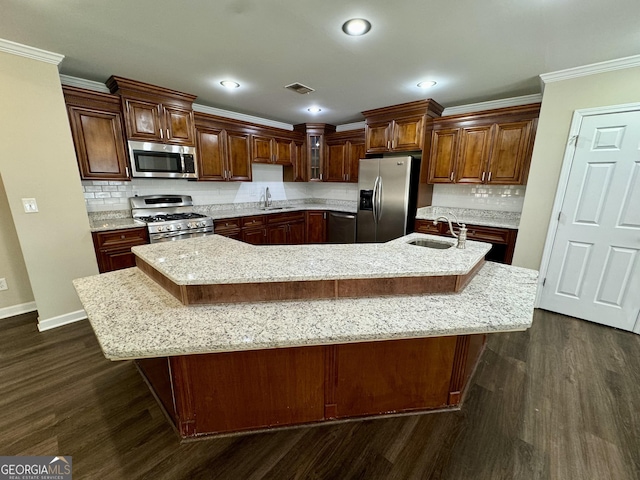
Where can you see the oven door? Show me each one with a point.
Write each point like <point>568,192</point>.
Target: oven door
<point>161,161</point>
<point>173,236</point>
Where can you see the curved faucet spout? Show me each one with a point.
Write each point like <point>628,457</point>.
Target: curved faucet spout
<point>435,222</point>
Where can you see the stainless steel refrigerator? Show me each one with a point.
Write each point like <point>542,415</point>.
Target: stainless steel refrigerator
<point>388,192</point>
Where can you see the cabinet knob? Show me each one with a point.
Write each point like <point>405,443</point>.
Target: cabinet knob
<point>123,236</point>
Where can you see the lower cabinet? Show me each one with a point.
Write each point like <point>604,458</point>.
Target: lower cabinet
<point>316,227</point>
<point>113,247</point>
<point>286,228</point>
<point>502,239</point>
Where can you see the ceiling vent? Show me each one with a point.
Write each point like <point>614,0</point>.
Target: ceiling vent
<point>299,88</point>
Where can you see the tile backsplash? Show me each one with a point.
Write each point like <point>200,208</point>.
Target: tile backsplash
<point>112,195</point>
<point>508,198</point>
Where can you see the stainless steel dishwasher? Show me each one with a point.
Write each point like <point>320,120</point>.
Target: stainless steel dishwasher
<point>342,227</point>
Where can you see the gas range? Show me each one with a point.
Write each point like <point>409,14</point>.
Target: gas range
<point>170,217</point>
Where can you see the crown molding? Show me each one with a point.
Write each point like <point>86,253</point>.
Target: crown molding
<point>83,83</point>
<point>592,69</point>
<point>350,126</point>
<point>503,103</point>
<point>241,116</point>
<point>30,52</point>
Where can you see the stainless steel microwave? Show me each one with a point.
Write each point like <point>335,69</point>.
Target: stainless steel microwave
<point>156,160</point>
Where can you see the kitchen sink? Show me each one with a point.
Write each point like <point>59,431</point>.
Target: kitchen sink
<point>430,244</point>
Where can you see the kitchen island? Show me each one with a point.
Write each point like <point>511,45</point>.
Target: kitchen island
<point>233,367</point>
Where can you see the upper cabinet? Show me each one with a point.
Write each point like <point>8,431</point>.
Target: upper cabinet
<point>224,150</point>
<point>488,147</point>
<point>400,128</point>
<point>269,149</point>
<point>315,133</point>
<point>154,113</point>
<point>98,136</point>
<point>342,156</point>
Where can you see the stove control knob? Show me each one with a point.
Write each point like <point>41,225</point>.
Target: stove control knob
<point>160,228</point>
<point>169,227</point>
<point>192,225</point>
<point>201,224</point>
<point>178,227</point>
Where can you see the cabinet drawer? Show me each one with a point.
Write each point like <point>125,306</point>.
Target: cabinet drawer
<point>121,238</point>
<point>285,217</point>
<point>226,225</point>
<point>254,221</point>
<point>486,234</point>
<point>427,226</point>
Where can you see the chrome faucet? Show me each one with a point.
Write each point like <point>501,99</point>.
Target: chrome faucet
<point>267,198</point>
<point>462,232</point>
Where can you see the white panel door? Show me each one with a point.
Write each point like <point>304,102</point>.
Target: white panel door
<point>594,267</point>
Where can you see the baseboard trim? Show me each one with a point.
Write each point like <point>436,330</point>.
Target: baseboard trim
<point>14,310</point>
<point>61,320</point>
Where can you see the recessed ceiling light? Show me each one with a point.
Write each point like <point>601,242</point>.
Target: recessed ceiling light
<point>314,109</point>
<point>356,27</point>
<point>229,84</point>
<point>426,84</point>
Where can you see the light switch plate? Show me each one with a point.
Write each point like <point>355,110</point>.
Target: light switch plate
<point>30,205</point>
<point>3,284</point>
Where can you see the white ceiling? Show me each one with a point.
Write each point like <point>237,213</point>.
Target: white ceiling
<point>477,50</point>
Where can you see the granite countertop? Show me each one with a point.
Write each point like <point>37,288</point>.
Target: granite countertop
<point>487,218</point>
<point>219,260</point>
<point>133,317</point>
<point>120,219</point>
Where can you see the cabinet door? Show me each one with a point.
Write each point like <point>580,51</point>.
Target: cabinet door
<point>238,156</point>
<point>336,157</point>
<point>378,137</point>
<point>211,154</point>
<point>316,227</point>
<point>297,233</point>
<point>254,236</point>
<point>261,151</point>
<point>510,153</point>
<point>427,226</point>
<point>474,154</point>
<point>283,152</point>
<point>143,120</point>
<point>408,134</point>
<point>355,151</point>
<point>300,162</point>
<point>442,158</point>
<point>99,143</point>
<point>178,125</point>
<point>277,234</point>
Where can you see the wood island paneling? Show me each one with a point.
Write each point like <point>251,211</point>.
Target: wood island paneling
<point>221,393</point>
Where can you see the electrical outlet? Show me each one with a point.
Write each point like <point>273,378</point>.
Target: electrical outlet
<point>3,284</point>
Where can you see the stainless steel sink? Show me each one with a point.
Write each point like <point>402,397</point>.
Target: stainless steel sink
<point>430,244</point>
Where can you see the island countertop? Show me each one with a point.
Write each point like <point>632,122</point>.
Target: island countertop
<point>219,260</point>
<point>133,317</point>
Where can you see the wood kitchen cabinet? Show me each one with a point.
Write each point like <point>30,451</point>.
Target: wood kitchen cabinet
<point>278,151</point>
<point>502,239</point>
<point>286,228</point>
<point>254,230</point>
<point>228,227</point>
<point>490,147</point>
<point>223,155</point>
<point>342,156</point>
<point>316,227</point>
<point>315,134</point>
<point>155,113</point>
<point>399,128</point>
<point>113,247</point>
<point>98,135</point>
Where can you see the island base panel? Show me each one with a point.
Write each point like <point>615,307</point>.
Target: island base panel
<point>221,393</point>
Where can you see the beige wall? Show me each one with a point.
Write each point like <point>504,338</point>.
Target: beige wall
<point>38,160</point>
<point>559,102</point>
<point>12,266</point>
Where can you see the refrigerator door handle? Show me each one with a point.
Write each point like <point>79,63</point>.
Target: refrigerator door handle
<point>374,200</point>
<point>379,199</point>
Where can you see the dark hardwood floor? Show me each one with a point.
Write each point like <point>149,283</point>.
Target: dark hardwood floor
<point>560,401</point>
